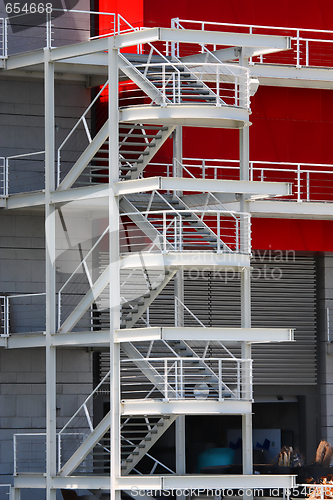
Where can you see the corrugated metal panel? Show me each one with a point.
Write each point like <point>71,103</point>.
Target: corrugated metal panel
<point>283,295</point>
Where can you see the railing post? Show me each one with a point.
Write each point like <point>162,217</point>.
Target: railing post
<point>307,52</point>
<point>236,89</point>
<point>180,233</point>
<point>218,85</point>
<point>7,314</point>
<point>173,88</point>
<point>164,232</point>
<point>6,38</point>
<point>173,44</point>
<point>181,375</point>
<point>58,167</point>
<point>48,30</point>
<point>203,169</point>
<point>250,58</point>
<point>238,380</point>
<point>15,457</point>
<point>218,220</point>
<point>176,312</point>
<point>6,177</point>
<point>328,324</point>
<point>251,171</point>
<point>237,234</point>
<point>163,85</point>
<point>299,183</point>
<point>297,50</point>
<point>166,379</point>
<point>220,379</point>
<point>59,452</point>
<point>59,310</point>
<point>308,186</point>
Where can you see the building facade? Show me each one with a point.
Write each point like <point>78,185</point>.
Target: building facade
<point>165,247</point>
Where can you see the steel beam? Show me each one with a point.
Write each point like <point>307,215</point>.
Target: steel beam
<point>76,194</point>
<point>290,76</point>
<point>155,482</point>
<point>182,260</point>
<point>79,49</point>
<point>50,351</point>
<point>254,188</point>
<point>185,407</point>
<point>86,447</point>
<point>217,482</point>
<point>85,158</point>
<point>24,60</point>
<point>25,200</point>
<point>86,302</point>
<point>101,337</point>
<point>225,38</point>
<point>291,210</point>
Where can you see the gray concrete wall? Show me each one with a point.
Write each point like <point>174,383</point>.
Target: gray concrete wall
<point>22,269</point>
<point>66,28</point>
<point>22,126</point>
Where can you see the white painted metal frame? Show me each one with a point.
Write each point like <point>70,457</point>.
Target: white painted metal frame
<point>170,405</point>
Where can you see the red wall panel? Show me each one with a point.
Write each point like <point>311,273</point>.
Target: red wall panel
<point>288,124</point>
<point>292,234</point>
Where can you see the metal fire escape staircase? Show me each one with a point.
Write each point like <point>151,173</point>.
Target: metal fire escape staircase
<point>138,144</point>
<point>164,82</point>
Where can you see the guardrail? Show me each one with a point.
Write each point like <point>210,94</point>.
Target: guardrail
<point>24,173</point>
<point>176,83</point>
<point>29,453</point>
<point>3,177</point>
<point>23,313</point>
<point>311,181</point>
<point>188,378</point>
<point>309,47</point>
<point>5,491</point>
<point>47,27</point>
<point>185,230</point>
<point>4,316</point>
<point>80,426</point>
<point>80,137</point>
<point>3,37</point>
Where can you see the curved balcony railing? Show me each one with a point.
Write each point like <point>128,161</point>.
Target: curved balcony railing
<point>180,231</point>
<point>194,83</point>
<point>216,379</point>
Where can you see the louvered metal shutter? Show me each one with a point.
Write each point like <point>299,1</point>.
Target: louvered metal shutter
<point>283,291</point>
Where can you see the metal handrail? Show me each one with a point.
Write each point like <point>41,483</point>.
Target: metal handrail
<point>295,35</point>
<point>174,379</point>
<point>172,231</point>
<point>82,120</point>
<point>169,77</point>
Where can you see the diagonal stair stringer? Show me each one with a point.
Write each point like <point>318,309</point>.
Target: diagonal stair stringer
<point>132,318</point>
<point>144,446</point>
<point>85,448</point>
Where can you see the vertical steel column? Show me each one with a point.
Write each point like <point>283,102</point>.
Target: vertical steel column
<point>115,460</point>
<point>244,174</point>
<point>51,433</point>
<point>15,494</point>
<point>179,293</point>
